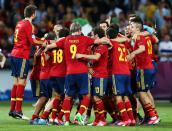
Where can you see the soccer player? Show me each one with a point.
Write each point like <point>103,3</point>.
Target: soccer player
<point>121,80</point>
<point>23,38</point>
<point>39,82</point>
<point>100,76</point>
<point>77,70</point>
<point>145,70</point>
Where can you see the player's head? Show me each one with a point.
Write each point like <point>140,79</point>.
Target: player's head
<point>29,11</point>
<point>128,31</point>
<point>75,28</point>
<point>98,32</point>
<point>104,25</point>
<point>57,28</point>
<point>51,36</point>
<point>136,25</point>
<point>63,32</point>
<point>112,31</point>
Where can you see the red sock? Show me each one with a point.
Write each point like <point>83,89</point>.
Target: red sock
<point>66,108</point>
<point>19,97</point>
<point>84,104</point>
<point>129,110</point>
<point>149,111</point>
<point>96,112</point>
<point>123,111</point>
<point>100,107</point>
<point>45,115</point>
<point>13,97</point>
<point>33,117</point>
<point>55,105</point>
<point>61,114</point>
<point>156,113</point>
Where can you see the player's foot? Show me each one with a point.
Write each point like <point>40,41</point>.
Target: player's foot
<point>11,113</point>
<point>93,124</point>
<point>20,115</point>
<point>110,123</point>
<point>79,118</point>
<point>75,121</point>
<point>34,122</point>
<point>133,123</point>
<point>86,119</point>
<point>102,123</point>
<point>58,122</point>
<point>145,120</point>
<point>66,123</point>
<point>152,121</point>
<point>42,122</point>
<point>51,121</point>
<point>119,123</point>
<point>139,118</point>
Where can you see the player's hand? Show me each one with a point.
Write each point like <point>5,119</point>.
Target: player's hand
<point>90,70</point>
<point>108,20</point>
<point>2,64</point>
<point>132,55</point>
<point>45,44</point>
<point>78,56</point>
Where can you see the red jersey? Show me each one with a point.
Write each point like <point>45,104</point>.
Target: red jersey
<point>45,67</point>
<point>100,66</point>
<point>120,63</point>
<point>129,47</point>
<point>151,40</point>
<point>58,67</point>
<point>35,74</point>
<point>144,59</point>
<point>23,38</point>
<point>73,45</point>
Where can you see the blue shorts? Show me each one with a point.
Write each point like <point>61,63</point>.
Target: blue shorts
<point>35,86</point>
<point>45,89</point>
<point>57,83</point>
<point>99,86</point>
<point>109,89</point>
<point>144,79</point>
<point>121,84</point>
<point>77,84</point>
<point>154,76</point>
<point>20,67</point>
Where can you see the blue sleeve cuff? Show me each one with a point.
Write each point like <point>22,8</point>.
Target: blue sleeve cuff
<point>145,27</point>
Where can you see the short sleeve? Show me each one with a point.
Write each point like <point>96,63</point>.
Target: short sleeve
<point>60,43</point>
<point>140,41</point>
<point>153,40</point>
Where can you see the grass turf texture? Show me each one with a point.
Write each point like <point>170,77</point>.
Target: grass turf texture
<point>9,124</point>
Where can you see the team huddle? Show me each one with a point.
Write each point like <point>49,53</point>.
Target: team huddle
<point>107,71</point>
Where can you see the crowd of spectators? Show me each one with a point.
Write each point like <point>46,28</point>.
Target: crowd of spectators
<point>155,13</point>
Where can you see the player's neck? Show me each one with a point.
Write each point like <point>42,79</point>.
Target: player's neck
<point>29,19</point>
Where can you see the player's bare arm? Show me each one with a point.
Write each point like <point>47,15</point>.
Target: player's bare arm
<point>138,51</point>
<point>96,56</point>
<point>2,63</point>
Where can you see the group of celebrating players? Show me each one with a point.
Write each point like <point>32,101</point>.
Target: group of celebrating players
<point>106,70</point>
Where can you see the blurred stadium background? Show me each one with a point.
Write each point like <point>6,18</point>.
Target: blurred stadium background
<point>155,13</point>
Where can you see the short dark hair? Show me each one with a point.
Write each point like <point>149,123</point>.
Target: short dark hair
<point>99,31</point>
<point>29,10</point>
<point>63,32</point>
<point>114,26</point>
<point>101,22</point>
<point>132,15</point>
<point>112,33</point>
<point>51,36</point>
<point>139,22</point>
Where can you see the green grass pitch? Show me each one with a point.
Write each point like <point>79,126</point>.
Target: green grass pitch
<point>9,124</point>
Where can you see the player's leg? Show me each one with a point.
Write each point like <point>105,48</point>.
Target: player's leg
<point>83,84</point>
<point>13,97</point>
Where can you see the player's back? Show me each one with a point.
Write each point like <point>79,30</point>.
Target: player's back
<point>73,45</point>
<point>120,63</point>
<point>21,43</point>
